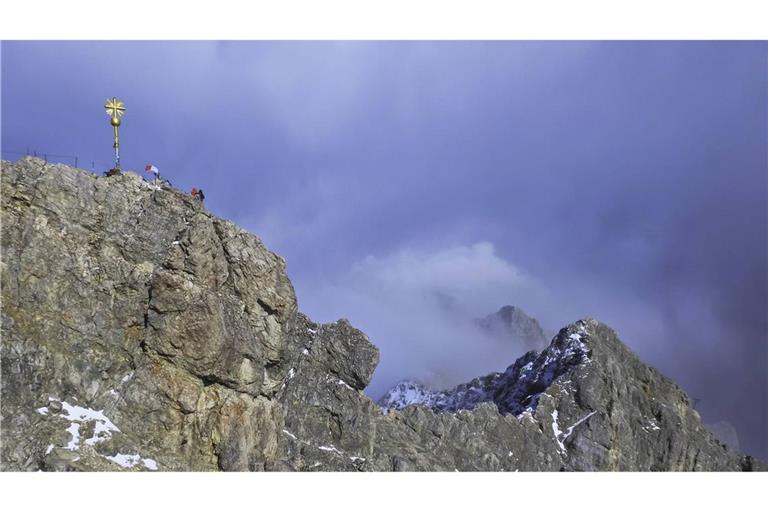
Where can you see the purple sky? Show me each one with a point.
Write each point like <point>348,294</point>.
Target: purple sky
<point>413,185</point>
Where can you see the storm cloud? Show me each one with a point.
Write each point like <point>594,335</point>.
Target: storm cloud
<point>625,181</point>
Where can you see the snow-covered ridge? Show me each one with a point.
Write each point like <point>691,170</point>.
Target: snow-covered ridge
<point>464,396</point>
<point>408,392</point>
<point>514,391</point>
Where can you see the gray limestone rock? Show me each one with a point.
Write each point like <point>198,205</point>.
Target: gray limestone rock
<point>142,333</point>
<point>725,432</point>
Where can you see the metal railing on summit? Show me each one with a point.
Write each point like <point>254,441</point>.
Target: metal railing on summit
<point>73,160</point>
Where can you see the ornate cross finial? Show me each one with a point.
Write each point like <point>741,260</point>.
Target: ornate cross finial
<point>115,110</point>
<point>115,107</point>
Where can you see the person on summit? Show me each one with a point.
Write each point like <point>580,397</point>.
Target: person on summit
<point>154,170</point>
<point>198,194</point>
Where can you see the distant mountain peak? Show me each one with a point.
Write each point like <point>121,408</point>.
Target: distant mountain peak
<point>511,322</point>
<point>514,390</point>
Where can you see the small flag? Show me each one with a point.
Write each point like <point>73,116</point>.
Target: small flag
<point>151,168</point>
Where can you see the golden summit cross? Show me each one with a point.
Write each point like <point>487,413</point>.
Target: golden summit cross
<point>115,109</point>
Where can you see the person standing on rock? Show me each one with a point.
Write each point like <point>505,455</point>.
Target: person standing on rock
<point>198,194</point>
<point>154,170</point>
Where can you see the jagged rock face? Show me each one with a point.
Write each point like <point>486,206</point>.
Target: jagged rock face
<point>726,433</point>
<point>604,408</point>
<point>511,323</point>
<point>137,302</point>
<point>139,332</point>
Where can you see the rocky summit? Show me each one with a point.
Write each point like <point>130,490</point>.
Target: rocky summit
<point>142,333</point>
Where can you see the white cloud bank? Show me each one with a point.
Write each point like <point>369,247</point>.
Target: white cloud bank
<point>416,305</point>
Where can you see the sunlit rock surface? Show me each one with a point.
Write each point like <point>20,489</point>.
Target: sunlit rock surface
<point>142,333</point>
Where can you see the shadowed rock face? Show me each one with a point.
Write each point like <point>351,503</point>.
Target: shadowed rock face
<point>139,332</point>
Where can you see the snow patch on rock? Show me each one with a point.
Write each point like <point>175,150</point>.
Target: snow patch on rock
<point>78,415</point>
<point>131,460</point>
